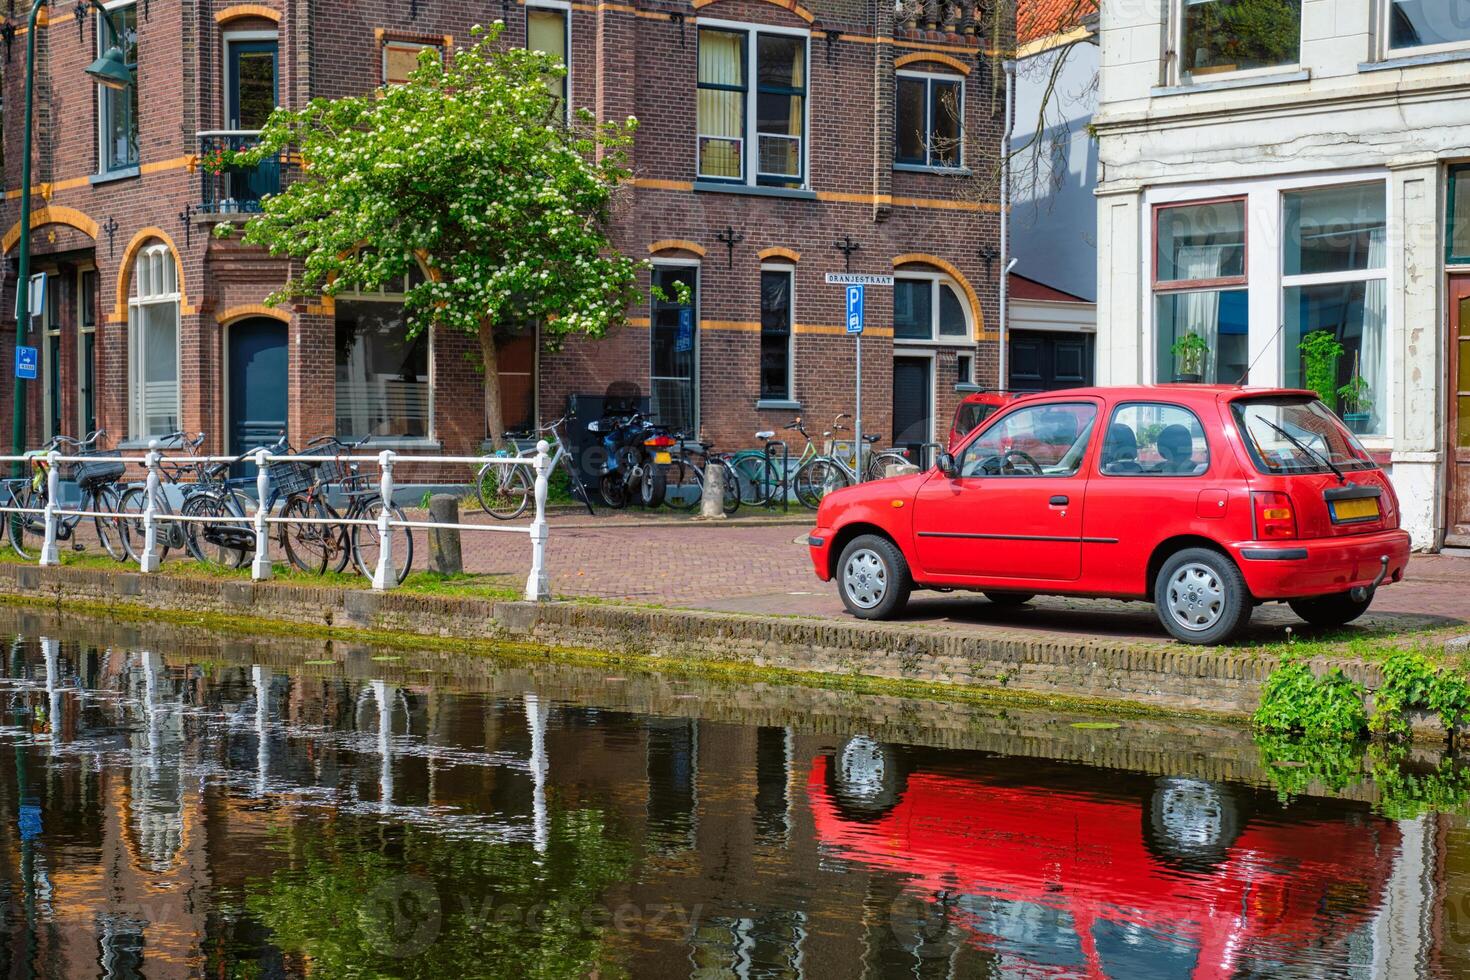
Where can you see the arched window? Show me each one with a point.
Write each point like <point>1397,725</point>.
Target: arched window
<point>153,344</point>
<point>382,373</point>
<point>929,307</point>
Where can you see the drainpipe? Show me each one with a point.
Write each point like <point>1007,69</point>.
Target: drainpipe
<point>1006,262</point>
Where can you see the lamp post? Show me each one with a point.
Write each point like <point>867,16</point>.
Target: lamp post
<point>111,71</point>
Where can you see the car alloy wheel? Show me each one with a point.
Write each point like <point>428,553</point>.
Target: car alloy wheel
<point>1196,597</point>
<point>865,578</point>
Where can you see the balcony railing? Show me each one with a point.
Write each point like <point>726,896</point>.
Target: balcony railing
<point>234,190</point>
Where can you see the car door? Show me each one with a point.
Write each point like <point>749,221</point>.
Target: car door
<point>1014,508</point>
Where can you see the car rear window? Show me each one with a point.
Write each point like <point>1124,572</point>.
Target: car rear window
<point>970,415</point>
<point>1297,435</point>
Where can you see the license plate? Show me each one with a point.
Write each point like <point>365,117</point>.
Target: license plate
<point>663,458</point>
<point>1357,509</point>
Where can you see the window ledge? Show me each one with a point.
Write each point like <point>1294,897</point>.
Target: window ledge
<point>946,342</point>
<point>126,173</point>
<point>1225,84</point>
<point>754,190</point>
<point>919,168</point>
<point>1415,60</point>
<point>406,442</point>
<point>773,404</point>
<point>968,388</point>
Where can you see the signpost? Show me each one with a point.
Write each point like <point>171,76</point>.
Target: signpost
<point>856,282</point>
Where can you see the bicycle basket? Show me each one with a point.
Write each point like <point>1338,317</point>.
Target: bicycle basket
<point>288,478</point>
<point>90,474</point>
<point>330,469</point>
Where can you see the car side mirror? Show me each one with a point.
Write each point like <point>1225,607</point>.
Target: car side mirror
<point>947,466</point>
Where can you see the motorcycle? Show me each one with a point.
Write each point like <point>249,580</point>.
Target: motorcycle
<point>638,458</point>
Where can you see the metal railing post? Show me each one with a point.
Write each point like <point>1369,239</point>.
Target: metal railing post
<point>537,586</point>
<point>260,568</point>
<point>149,560</point>
<point>385,576</point>
<point>49,553</point>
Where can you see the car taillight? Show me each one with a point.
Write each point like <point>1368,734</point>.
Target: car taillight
<point>659,442</point>
<point>1275,517</point>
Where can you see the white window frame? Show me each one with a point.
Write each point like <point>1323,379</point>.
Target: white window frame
<point>1385,32</point>
<point>565,9</point>
<point>696,394</point>
<point>1179,76</point>
<point>790,269</point>
<point>137,354</point>
<point>383,295</point>
<point>238,37</point>
<point>749,140</point>
<point>50,330</point>
<point>1266,284</point>
<point>929,78</point>
<point>415,46</point>
<point>85,330</point>
<point>103,94</point>
<point>936,339</point>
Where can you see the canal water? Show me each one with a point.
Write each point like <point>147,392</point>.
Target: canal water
<point>176,804</point>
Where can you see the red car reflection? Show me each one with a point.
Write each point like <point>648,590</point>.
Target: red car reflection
<point>1137,877</point>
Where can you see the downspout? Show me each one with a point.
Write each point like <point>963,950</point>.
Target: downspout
<point>1006,262</point>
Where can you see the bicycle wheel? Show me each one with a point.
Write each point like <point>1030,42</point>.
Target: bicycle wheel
<point>219,544</point>
<point>367,541</point>
<point>819,477</point>
<point>731,501</point>
<point>684,488</point>
<point>878,463</point>
<point>504,491</point>
<point>756,475</point>
<point>308,544</point>
<point>27,532</point>
<point>109,529</point>
<point>131,505</point>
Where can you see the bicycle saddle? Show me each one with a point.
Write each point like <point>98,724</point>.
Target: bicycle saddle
<point>872,436</point>
<point>765,434</point>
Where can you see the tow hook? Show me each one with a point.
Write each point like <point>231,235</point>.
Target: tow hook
<point>1362,592</point>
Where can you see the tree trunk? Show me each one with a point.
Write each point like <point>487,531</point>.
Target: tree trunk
<point>494,417</point>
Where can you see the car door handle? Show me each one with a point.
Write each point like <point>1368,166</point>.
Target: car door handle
<point>1060,500</point>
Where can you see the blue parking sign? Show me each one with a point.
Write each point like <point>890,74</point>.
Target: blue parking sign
<point>684,340</point>
<point>25,363</point>
<point>855,309</point>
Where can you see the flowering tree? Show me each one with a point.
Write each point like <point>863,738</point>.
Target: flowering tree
<point>471,169</point>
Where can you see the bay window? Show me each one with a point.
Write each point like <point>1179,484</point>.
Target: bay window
<point>1201,315</point>
<point>153,345</point>
<point>928,115</point>
<point>1426,26</point>
<point>117,109</point>
<point>1219,36</point>
<point>729,58</point>
<point>382,373</point>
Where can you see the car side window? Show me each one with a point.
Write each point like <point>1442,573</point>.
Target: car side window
<point>1154,439</point>
<point>1038,440</point>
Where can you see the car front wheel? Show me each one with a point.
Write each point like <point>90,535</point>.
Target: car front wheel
<point>1338,609</point>
<point>1201,597</point>
<point>873,577</point>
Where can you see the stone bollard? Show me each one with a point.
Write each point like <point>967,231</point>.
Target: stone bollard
<point>445,556</point>
<point>899,469</point>
<point>712,503</point>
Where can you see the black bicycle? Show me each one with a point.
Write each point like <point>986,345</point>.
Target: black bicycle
<point>98,482</point>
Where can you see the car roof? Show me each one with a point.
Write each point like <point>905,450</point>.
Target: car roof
<point>1183,393</point>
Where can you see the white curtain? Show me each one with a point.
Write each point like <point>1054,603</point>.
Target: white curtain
<point>1200,312</point>
<point>721,121</point>
<point>1372,361</point>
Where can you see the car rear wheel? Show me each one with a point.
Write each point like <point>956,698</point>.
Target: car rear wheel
<point>873,577</point>
<point>1009,599</point>
<point>1201,597</point>
<point>1331,610</point>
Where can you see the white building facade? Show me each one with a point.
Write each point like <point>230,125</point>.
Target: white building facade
<point>1276,170</point>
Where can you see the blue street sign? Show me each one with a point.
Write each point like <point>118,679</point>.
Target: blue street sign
<point>855,309</point>
<point>26,362</point>
<point>685,340</point>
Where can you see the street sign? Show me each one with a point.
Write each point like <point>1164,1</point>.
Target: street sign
<point>26,362</point>
<point>36,297</point>
<point>855,309</point>
<point>857,279</point>
<point>685,339</point>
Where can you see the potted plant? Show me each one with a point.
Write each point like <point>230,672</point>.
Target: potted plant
<point>1357,401</point>
<point>1189,353</point>
<point>1320,351</point>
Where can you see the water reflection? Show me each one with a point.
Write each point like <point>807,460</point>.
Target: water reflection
<point>230,809</point>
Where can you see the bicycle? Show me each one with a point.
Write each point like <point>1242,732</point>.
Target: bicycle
<point>762,482</point>
<point>686,476</point>
<point>229,539</point>
<point>821,473</point>
<point>193,478</point>
<point>99,486</point>
<point>504,489</point>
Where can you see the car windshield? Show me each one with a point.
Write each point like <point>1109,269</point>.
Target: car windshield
<point>970,415</point>
<point>1298,435</point>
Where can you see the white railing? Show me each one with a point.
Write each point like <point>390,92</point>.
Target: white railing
<point>384,574</point>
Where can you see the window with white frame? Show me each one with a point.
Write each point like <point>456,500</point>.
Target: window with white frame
<point>928,120</point>
<point>117,109</point>
<point>1214,37</point>
<point>548,30</point>
<point>153,344</point>
<point>1335,286</point>
<point>382,372</point>
<point>401,57</point>
<point>1427,26</point>
<point>928,308</point>
<point>1201,298</point>
<point>778,305</point>
<point>729,107</point>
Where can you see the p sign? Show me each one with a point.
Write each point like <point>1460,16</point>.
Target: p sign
<point>25,363</point>
<point>855,309</point>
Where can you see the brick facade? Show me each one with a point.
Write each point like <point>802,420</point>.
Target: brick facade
<point>625,60</point>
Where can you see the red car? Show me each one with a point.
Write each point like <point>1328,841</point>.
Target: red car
<point>1206,500</point>
<point>973,409</point>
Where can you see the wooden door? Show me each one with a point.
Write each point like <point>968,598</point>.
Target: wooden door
<point>1459,413</point>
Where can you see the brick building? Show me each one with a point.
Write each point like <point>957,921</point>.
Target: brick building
<point>883,137</point>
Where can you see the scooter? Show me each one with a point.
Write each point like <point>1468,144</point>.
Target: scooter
<point>638,458</point>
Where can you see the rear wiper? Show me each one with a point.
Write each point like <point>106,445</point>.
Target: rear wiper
<point>1341,477</point>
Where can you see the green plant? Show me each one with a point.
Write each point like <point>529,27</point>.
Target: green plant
<point>1190,351</point>
<point>1356,395</point>
<point>1320,351</point>
<point>1297,701</point>
<point>1412,683</point>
